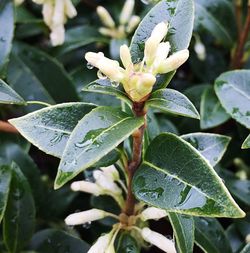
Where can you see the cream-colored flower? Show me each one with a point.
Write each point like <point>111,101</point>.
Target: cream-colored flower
<point>102,243</point>
<point>85,186</point>
<point>55,14</point>
<point>152,213</point>
<point>18,2</point>
<point>127,21</point>
<point>138,79</point>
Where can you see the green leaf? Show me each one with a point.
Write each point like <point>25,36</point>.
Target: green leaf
<point>211,146</point>
<point>5,177</point>
<point>49,128</point>
<point>19,219</point>
<point>98,133</point>
<point>174,176</point>
<point>246,249</point>
<point>246,143</point>
<point>105,87</point>
<point>180,16</point>
<point>183,227</point>
<point>211,110</point>
<point>210,236</point>
<point>8,95</point>
<point>114,47</point>
<point>233,91</point>
<point>235,239</point>
<point>53,240</point>
<point>217,17</point>
<point>127,243</point>
<point>172,101</point>
<point>6,32</point>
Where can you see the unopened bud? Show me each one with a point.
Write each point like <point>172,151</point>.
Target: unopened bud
<point>248,238</point>
<point>58,17</point>
<point>88,187</point>
<point>127,11</point>
<point>70,9</point>
<point>125,56</point>
<point>200,50</point>
<point>47,11</point>
<point>84,217</point>
<point>111,172</point>
<point>160,31</point>
<point>158,240</point>
<point>173,62</point>
<point>153,213</point>
<point>105,17</point>
<point>57,35</point>
<point>101,244</point>
<point>18,2</point>
<point>133,23</point>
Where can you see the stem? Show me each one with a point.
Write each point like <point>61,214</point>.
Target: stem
<point>7,127</point>
<point>238,11</point>
<point>239,52</point>
<point>139,111</point>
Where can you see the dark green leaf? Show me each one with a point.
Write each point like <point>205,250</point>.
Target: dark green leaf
<point>183,227</point>
<point>98,133</point>
<point>175,177</point>
<point>210,236</point>
<point>8,95</point>
<point>233,91</point>
<point>19,219</point>
<point>235,239</point>
<point>5,177</point>
<point>211,110</point>
<point>246,143</point>
<point>49,128</point>
<point>105,87</point>
<point>211,146</point>
<point>127,244</point>
<point>56,241</point>
<point>6,32</point>
<point>172,101</point>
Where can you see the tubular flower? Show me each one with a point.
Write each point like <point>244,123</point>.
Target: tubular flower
<point>55,14</point>
<point>138,79</point>
<point>127,21</point>
<point>153,213</point>
<point>101,244</point>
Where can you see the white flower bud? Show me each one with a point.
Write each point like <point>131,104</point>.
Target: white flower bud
<point>57,35</point>
<point>173,62</point>
<point>133,23</point>
<point>162,52</point>
<point>200,50</point>
<point>153,213</point>
<point>85,216</point>
<point>248,238</point>
<point>158,240</point>
<point>105,17</point>
<point>127,11</point>
<point>111,172</point>
<point>88,187</point>
<point>126,56</point>
<point>70,9</point>
<point>58,17</point>
<point>48,10</point>
<point>159,32</point>
<point>18,2</point>
<point>39,1</point>
<point>101,244</point>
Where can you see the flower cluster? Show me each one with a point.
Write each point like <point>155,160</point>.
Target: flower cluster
<point>138,79</point>
<point>108,182</point>
<point>55,14</point>
<point>127,21</point>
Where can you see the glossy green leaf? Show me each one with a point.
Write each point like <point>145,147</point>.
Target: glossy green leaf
<point>127,244</point>
<point>49,128</point>
<point>211,146</point>
<point>180,16</point>
<point>246,143</point>
<point>19,219</point>
<point>98,133</point>
<point>114,47</point>
<point>105,87</point>
<point>8,95</point>
<point>246,249</point>
<point>210,236</point>
<point>211,110</point>
<point>172,101</point>
<point>56,241</point>
<point>6,32</point>
<point>217,17</point>
<point>5,177</point>
<point>183,227</point>
<point>233,91</point>
<point>235,239</point>
<point>174,176</point>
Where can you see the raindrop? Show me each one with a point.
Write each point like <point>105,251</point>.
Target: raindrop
<point>115,84</point>
<point>101,75</point>
<point>145,1</point>
<point>86,225</point>
<point>89,65</point>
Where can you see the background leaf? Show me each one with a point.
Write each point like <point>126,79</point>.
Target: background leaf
<point>127,243</point>
<point>246,143</point>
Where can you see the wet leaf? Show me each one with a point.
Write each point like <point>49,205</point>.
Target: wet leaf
<point>127,244</point>
<point>19,219</point>
<point>183,227</point>
<point>211,110</point>
<point>233,91</point>
<point>6,32</point>
<point>5,177</point>
<point>98,133</point>
<point>175,177</point>
<point>56,241</point>
<point>246,143</point>
<point>210,236</point>
<point>8,95</point>
<point>49,128</point>
<point>172,101</point>
<point>211,146</point>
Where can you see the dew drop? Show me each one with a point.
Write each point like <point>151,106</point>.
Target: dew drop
<point>89,66</point>
<point>115,84</point>
<point>86,225</point>
<point>101,75</point>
